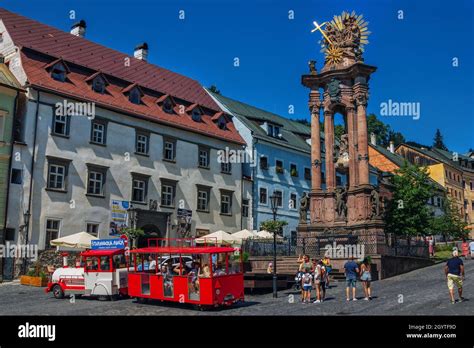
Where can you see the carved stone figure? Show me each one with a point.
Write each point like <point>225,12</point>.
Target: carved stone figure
<point>304,207</point>
<point>374,204</point>
<point>341,205</point>
<point>312,67</point>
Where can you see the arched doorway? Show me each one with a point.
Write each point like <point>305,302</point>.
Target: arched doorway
<point>151,231</point>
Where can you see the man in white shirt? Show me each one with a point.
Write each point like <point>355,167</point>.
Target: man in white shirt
<point>471,248</point>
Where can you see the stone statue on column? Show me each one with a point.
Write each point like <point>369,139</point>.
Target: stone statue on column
<point>341,205</point>
<point>374,204</point>
<point>304,207</point>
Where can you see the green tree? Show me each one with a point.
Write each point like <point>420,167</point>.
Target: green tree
<point>380,129</point>
<point>303,121</point>
<point>396,137</point>
<point>450,223</point>
<point>214,89</point>
<point>407,213</point>
<point>133,234</point>
<point>273,226</point>
<point>438,141</point>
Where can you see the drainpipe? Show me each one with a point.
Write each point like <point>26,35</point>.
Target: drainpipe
<point>254,186</point>
<point>33,155</point>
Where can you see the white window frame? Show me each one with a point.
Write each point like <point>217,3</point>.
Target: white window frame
<point>61,119</point>
<point>167,193</point>
<point>47,231</point>
<point>169,149</point>
<point>266,195</point>
<point>56,176</point>
<point>97,132</point>
<point>142,141</point>
<point>95,181</point>
<point>203,198</point>
<point>226,201</point>
<point>296,199</point>
<point>202,157</point>
<point>281,191</point>
<point>139,188</point>
<point>95,224</point>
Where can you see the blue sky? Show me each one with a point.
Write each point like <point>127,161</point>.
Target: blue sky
<point>414,55</point>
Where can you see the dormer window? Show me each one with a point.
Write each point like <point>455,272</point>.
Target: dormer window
<point>196,115</point>
<point>273,130</point>
<point>98,82</point>
<point>168,106</point>
<point>221,123</point>
<point>135,96</point>
<point>59,72</point>
<point>98,85</point>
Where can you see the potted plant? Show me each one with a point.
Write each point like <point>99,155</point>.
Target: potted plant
<point>35,277</point>
<point>294,172</point>
<point>279,170</point>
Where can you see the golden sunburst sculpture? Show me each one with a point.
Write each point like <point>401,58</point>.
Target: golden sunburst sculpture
<point>343,37</point>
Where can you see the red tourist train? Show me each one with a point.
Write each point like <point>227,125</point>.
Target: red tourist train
<point>206,276</point>
<point>175,270</point>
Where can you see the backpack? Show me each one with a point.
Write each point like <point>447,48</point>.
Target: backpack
<point>307,278</point>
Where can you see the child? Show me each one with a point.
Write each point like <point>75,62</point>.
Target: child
<point>307,286</point>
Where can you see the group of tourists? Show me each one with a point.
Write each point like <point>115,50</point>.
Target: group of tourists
<point>314,274</point>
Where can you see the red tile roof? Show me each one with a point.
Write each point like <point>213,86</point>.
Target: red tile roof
<point>89,57</point>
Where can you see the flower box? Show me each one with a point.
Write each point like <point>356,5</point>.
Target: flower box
<point>33,281</point>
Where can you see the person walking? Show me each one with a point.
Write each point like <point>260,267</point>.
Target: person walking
<point>471,248</point>
<point>317,282</point>
<point>327,265</point>
<point>307,282</point>
<point>454,271</point>
<point>366,278</point>
<point>304,264</point>
<point>351,270</point>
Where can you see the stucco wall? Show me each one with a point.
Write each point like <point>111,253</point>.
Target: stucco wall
<point>75,209</point>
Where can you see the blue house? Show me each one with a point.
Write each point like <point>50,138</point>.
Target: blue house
<point>280,162</point>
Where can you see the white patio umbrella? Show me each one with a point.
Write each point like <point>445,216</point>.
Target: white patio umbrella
<point>244,234</point>
<point>264,234</point>
<point>219,237</point>
<point>81,240</point>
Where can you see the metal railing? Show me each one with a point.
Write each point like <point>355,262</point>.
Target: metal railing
<point>316,246</point>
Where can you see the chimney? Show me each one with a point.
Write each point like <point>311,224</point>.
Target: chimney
<point>391,147</point>
<point>79,28</point>
<point>141,51</point>
<point>373,139</point>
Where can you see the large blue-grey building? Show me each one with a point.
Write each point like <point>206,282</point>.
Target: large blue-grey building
<point>280,162</point>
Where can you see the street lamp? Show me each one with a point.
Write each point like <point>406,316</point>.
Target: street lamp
<point>274,200</point>
<point>26,220</point>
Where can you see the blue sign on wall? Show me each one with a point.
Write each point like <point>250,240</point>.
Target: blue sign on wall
<point>102,244</point>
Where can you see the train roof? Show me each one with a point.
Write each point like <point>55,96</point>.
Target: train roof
<point>183,250</point>
<point>103,252</point>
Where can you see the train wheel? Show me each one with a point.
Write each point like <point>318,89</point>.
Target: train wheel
<point>141,300</point>
<point>58,292</point>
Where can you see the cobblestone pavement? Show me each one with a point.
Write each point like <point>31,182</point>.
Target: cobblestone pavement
<point>421,292</point>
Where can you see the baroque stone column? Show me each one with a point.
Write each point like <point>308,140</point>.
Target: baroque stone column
<point>315,149</point>
<point>353,153</point>
<point>360,93</point>
<point>329,153</point>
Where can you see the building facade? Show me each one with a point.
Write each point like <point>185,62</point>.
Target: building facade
<point>451,170</point>
<point>102,128</point>
<point>388,161</point>
<point>10,90</point>
<point>278,162</point>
